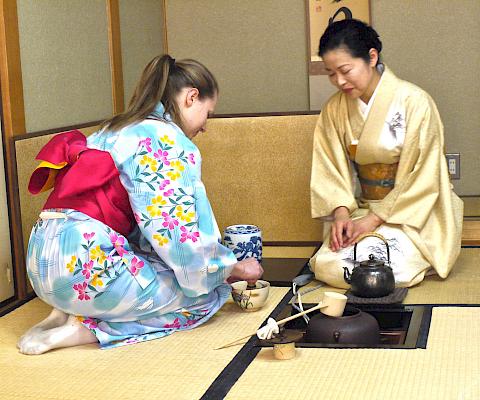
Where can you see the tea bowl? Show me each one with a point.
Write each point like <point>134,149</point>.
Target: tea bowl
<point>250,299</point>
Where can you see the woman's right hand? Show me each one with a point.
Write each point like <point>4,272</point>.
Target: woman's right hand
<point>342,228</point>
<point>246,270</point>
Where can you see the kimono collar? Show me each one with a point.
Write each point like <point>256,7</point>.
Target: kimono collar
<point>368,131</point>
<point>159,112</point>
<point>365,107</point>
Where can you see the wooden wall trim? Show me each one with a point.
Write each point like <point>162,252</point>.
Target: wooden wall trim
<point>115,49</point>
<point>56,130</point>
<point>291,243</point>
<point>471,233</point>
<point>11,70</point>
<point>13,116</point>
<point>165,30</point>
<point>266,114</point>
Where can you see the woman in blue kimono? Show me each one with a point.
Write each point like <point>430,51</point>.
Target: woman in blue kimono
<point>127,248</point>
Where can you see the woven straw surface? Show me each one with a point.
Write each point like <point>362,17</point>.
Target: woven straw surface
<point>461,287</point>
<point>180,366</point>
<point>448,369</point>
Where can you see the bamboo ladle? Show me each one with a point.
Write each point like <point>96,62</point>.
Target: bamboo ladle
<point>333,304</point>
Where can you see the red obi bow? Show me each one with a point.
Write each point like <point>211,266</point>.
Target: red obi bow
<point>84,179</point>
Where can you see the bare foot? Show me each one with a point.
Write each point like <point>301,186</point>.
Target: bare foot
<point>55,319</point>
<point>72,333</point>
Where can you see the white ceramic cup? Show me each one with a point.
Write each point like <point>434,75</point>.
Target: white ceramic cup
<point>244,240</point>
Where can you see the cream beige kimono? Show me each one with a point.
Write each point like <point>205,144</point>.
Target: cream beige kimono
<point>423,216</point>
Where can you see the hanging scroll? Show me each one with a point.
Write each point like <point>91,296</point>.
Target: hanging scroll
<point>321,13</point>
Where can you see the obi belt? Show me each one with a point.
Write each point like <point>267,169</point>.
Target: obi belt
<point>83,179</point>
<point>376,180</point>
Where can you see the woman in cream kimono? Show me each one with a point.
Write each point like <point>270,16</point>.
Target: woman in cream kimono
<point>387,134</point>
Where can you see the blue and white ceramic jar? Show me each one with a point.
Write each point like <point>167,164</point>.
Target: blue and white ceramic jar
<point>244,240</point>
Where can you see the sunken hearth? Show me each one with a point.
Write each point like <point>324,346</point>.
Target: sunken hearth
<point>401,326</point>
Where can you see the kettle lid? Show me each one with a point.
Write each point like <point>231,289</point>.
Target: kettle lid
<point>372,262</point>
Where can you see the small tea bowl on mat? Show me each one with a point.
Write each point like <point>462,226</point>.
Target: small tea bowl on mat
<point>250,299</point>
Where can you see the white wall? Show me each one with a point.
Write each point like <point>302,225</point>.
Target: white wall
<point>6,277</point>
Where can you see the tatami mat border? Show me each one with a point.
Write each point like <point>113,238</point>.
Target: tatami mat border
<point>9,305</point>
<point>235,369</point>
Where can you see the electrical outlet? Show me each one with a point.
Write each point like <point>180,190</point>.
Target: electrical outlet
<point>453,162</point>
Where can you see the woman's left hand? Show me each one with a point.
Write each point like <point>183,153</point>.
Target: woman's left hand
<point>368,223</point>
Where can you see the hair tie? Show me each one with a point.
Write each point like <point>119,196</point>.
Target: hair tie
<point>172,62</point>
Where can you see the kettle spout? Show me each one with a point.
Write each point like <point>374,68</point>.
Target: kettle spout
<point>346,275</point>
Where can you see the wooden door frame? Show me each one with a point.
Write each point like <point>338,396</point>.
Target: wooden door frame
<point>13,123</point>
<point>13,120</point>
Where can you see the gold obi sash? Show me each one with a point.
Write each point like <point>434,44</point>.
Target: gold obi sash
<point>376,180</point>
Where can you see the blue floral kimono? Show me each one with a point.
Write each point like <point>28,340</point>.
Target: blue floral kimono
<point>168,275</point>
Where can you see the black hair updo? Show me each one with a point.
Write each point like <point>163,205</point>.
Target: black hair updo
<point>353,35</point>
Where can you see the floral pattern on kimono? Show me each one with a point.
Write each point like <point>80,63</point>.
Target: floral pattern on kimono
<point>169,274</point>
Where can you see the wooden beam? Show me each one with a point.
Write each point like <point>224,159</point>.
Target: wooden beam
<point>471,233</point>
<point>13,111</point>
<point>115,47</point>
<point>165,30</point>
<point>11,70</point>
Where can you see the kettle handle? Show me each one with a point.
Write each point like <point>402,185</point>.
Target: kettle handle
<point>374,234</point>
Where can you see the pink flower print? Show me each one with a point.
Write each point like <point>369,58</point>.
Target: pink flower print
<point>176,324</point>
<point>168,193</point>
<point>118,242</point>
<point>80,288</point>
<point>91,323</point>
<point>136,265</point>
<point>169,222</point>
<point>162,156</point>
<point>188,235</point>
<point>147,143</point>
<point>137,218</point>
<point>191,158</point>
<point>164,184</point>
<point>120,251</point>
<point>88,236</point>
<point>190,322</point>
<point>113,238</point>
<point>87,268</point>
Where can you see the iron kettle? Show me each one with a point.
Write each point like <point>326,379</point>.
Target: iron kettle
<point>372,277</point>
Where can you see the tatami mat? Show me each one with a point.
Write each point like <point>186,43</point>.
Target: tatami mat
<point>461,287</point>
<point>448,369</point>
<point>180,366</point>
